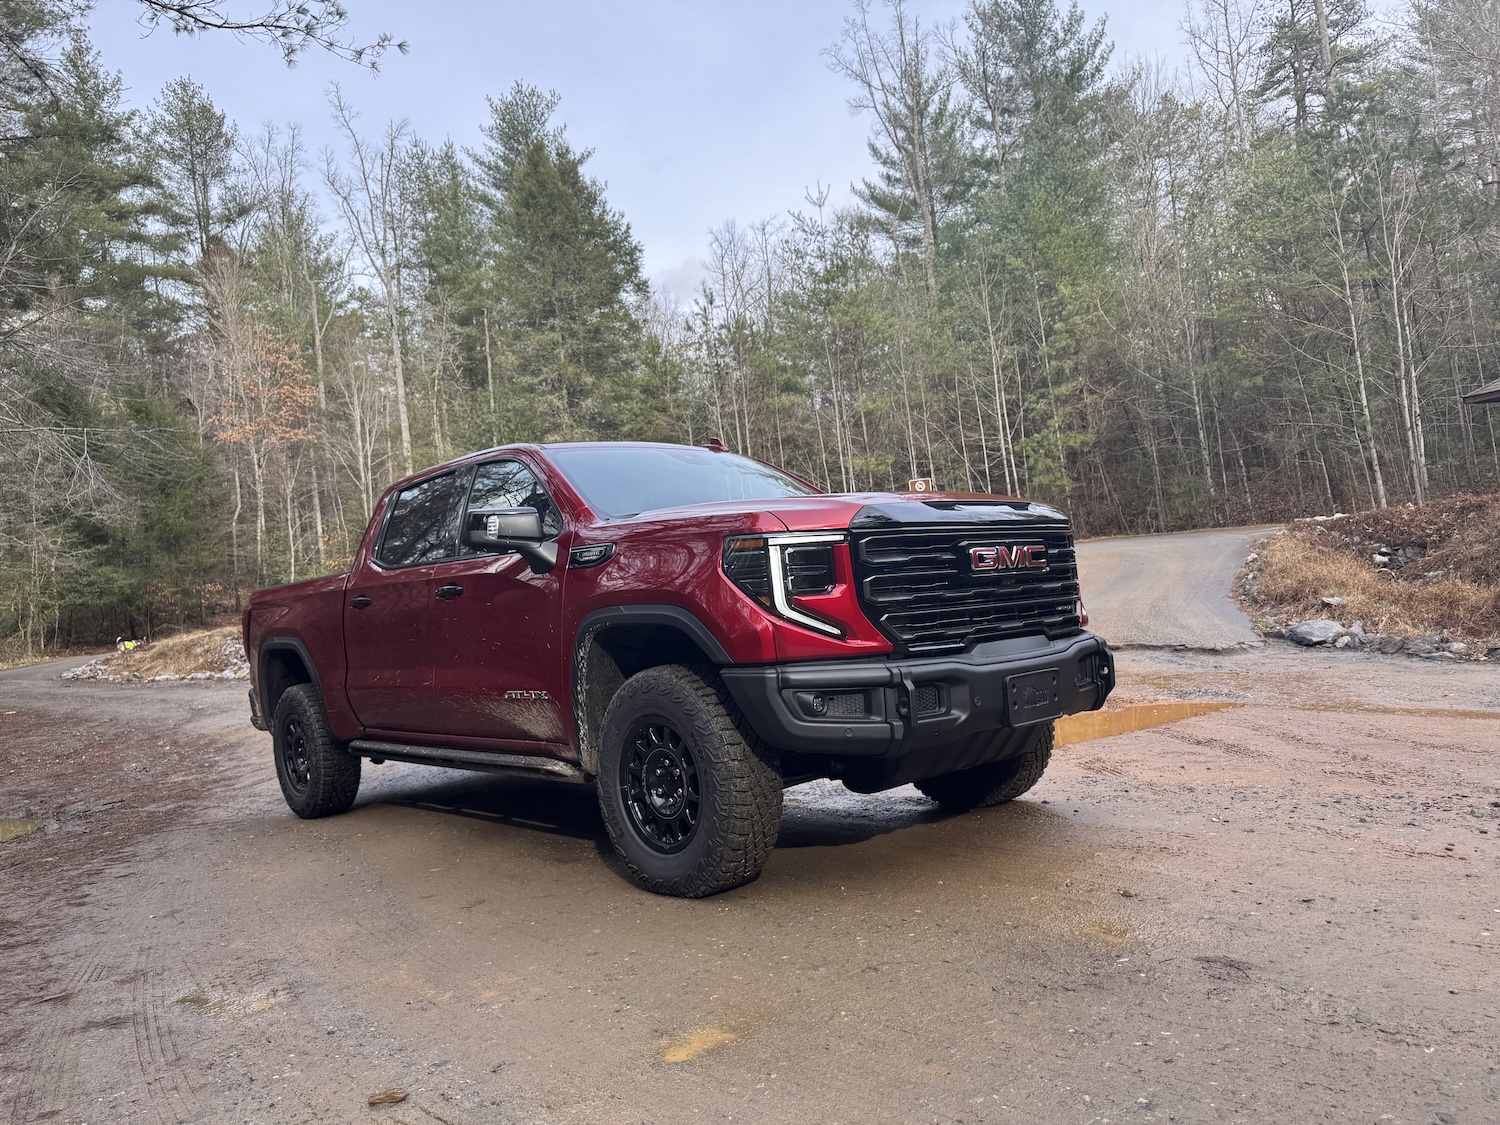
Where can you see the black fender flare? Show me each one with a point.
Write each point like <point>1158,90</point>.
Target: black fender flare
<point>624,615</point>
<point>282,644</point>
<point>651,615</point>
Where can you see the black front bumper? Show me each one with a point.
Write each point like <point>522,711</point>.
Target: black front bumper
<point>895,708</point>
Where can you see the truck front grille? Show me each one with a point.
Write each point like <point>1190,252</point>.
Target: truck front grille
<point>921,590</point>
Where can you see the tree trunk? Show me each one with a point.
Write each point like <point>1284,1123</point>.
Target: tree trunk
<point>317,499</point>
<point>489,373</point>
<point>257,468</point>
<point>399,373</point>
<point>1357,341</point>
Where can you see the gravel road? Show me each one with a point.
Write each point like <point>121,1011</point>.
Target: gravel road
<point>1168,591</point>
<point>1281,911</point>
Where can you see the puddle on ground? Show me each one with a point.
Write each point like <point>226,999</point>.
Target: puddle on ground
<point>1102,724</point>
<point>1418,712</point>
<point>696,1043</point>
<point>10,829</point>
<point>1106,933</point>
<point>227,1006</point>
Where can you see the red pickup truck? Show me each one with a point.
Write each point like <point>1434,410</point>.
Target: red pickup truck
<point>689,629</point>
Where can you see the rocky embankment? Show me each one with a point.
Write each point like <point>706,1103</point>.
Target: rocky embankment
<point>223,659</point>
<point>1422,582</point>
<point>1320,631</point>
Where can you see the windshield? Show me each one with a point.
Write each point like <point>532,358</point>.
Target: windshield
<point>622,481</point>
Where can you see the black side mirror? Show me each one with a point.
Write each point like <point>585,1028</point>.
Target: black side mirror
<point>503,530</point>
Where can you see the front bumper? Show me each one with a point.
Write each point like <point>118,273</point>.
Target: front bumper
<point>897,707</point>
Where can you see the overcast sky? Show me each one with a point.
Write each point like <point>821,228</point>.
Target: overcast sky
<point>696,112</point>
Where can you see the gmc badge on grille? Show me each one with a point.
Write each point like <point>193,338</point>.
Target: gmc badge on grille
<point>1030,557</point>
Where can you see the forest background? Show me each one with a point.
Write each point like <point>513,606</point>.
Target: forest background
<point>1247,291</point>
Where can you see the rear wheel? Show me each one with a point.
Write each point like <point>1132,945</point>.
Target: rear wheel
<point>318,776</point>
<point>692,805</point>
<point>993,783</point>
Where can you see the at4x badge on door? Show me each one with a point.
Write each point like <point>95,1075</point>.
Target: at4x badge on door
<point>536,695</point>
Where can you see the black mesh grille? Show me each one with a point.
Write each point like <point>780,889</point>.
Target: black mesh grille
<point>920,588</point>
<point>927,699</point>
<point>847,705</point>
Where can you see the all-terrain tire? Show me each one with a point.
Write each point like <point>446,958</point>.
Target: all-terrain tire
<point>318,776</point>
<point>691,799</point>
<point>993,783</point>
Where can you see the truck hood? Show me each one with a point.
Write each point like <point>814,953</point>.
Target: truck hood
<point>870,511</point>
<point>873,511</point>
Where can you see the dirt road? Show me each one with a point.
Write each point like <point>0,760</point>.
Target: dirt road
<point>1168,591</point>
<point>1282,911</point>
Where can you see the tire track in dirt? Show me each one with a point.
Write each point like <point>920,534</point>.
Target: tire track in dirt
<point>86,1007</point>
<point>167,1085</point>
<point>50,1059</point>
<point>308,965</point>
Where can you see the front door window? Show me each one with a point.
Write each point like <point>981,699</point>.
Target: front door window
<point>510,484</point>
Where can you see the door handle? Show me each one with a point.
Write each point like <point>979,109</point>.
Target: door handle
<point>359,602</point>
<point>451,590</point>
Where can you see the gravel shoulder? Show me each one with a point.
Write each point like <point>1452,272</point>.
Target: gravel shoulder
<point>1280,911</point>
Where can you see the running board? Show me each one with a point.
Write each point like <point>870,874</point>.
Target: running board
<point>521,764</point>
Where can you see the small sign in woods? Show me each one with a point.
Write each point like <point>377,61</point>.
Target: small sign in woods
<point>921,484</point>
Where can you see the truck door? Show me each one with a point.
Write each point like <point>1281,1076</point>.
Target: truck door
<point>388,606</point>
<point>499,666</point>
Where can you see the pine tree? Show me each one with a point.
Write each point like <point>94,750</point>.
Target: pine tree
<point>567,274</point>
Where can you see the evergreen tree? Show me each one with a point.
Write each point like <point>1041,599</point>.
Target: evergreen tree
<point>567,275</point>
<point>190,147</point>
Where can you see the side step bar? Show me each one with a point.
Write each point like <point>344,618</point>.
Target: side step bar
<point>520,764</point>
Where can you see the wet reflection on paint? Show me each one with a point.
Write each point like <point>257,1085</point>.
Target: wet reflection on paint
<point>1103,724</point>
<point>10,829</point>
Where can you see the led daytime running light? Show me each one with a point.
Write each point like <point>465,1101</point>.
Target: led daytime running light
<point>780,597</point>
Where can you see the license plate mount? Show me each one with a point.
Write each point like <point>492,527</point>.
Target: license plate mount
<point>1033,697</point>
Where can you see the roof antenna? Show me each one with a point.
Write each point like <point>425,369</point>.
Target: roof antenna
<point>716,445</point>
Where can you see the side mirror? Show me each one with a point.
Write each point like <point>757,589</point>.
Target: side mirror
<point>503,530</point>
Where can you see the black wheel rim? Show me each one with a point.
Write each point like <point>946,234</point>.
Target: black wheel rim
<point>660,787</point>
<point>295,759</point>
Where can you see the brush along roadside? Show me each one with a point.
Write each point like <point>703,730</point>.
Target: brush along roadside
<point>1421,580</point>
<point>207,654</point>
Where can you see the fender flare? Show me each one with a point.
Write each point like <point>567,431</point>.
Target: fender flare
<point>650,615</point>
<point>283,644</point>
<point>625,615</point>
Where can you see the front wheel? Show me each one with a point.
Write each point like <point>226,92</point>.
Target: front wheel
<point>318,776</point>
<point>692,805</point>
<point>993,783</point>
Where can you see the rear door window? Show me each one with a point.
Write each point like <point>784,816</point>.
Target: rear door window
<point>423,525</point>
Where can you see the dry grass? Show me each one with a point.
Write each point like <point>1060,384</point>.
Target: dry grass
<point>1453,585</point>
<point>182,655</point>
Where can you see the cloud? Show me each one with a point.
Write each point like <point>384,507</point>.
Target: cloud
<point>681,280</point>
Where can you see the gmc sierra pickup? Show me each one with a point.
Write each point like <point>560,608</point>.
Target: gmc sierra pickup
<point>689,629</point>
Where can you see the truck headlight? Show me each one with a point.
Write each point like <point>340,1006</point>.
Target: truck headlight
<point>808,568</point>
<point>747,563</point>
<point>776,569</point>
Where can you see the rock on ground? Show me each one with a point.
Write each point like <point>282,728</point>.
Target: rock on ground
<point>1316,632</point>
